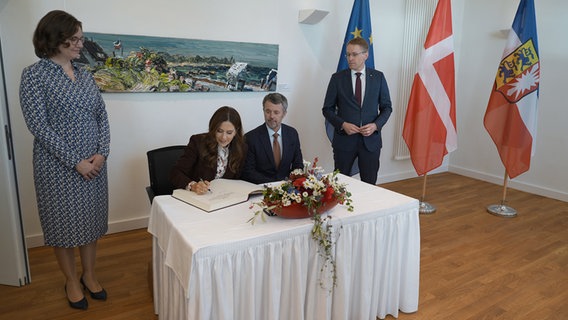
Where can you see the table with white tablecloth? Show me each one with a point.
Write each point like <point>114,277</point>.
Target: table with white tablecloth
<point>218,266</point>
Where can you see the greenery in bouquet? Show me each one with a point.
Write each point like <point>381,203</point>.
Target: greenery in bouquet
<point>311,188</point>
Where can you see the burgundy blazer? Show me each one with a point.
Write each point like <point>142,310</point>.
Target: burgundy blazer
<point>192,167</point>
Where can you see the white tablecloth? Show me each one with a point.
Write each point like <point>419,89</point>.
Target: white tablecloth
<point>217,266</point>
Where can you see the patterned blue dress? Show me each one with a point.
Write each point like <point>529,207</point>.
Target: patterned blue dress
<point>69,123</point>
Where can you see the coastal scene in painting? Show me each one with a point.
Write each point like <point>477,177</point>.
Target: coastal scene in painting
<point>130,63</point>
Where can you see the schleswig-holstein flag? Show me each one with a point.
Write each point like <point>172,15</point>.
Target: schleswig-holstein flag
<point>430,124</point>
<point>359,27</point>
<point>511,115</point>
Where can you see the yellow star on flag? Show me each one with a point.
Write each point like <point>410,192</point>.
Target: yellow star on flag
<point>357,33</point>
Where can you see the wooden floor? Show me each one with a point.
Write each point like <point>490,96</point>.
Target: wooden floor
<point>122,267</point>
<point>473,265</point>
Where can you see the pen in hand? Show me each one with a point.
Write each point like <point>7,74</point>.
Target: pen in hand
<point>206,183</point>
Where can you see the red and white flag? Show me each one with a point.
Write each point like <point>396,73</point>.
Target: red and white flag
<point>430,124</point>
<point>511,115</point>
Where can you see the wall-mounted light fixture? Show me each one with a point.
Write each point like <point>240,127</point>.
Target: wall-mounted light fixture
<point>311,16</point>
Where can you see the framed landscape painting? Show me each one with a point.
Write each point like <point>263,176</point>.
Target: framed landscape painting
<point>130,63</point>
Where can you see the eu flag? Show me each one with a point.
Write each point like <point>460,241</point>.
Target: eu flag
<point>359,27</point>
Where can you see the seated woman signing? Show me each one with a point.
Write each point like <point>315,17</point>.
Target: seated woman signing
<point>218,153</point>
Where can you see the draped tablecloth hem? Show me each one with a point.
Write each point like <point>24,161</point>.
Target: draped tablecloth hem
<point>218,266</point>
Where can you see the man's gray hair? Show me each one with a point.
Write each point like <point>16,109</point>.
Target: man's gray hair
<point>276,98</point>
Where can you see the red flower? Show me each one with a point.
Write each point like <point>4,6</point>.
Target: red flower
<point>328,195</point>
<point>299,183</point>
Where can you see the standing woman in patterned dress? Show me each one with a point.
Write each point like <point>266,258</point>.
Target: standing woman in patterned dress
<point>65,112</point>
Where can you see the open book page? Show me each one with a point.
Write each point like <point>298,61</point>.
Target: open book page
<point>224,193</point>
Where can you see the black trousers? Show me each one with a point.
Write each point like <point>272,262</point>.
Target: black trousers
<point>367,161</point>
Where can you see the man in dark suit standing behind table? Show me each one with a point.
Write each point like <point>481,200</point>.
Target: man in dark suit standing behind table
<point>269,158</point>
<point>358,105</point>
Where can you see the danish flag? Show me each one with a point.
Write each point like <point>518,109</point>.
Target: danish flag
<point>430,123</point>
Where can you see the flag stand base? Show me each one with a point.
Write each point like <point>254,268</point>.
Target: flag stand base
<point>426,208</point>
<point>502,210</point>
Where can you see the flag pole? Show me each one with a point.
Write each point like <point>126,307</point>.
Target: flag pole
<point>501,209</point>
<point>425,207</point>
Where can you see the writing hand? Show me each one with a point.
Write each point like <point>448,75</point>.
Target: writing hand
<point>201,187</point>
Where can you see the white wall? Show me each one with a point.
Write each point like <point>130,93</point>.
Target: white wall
<point>308,56</point>
<point>480,54</point>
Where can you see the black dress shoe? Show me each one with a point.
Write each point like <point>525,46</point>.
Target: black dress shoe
<point>101,295</point>
<point>82,304</point>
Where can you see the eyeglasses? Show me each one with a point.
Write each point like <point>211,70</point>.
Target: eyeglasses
<point>354,54</point>
<point>75,40</point>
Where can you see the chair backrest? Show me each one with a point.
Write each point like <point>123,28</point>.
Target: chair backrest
<point>160,163</point>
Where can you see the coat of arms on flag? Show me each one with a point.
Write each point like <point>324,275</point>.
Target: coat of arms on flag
<point>511,115</point>
<point>518,73</point>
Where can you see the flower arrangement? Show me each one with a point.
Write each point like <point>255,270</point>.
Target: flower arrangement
<point>316,192</point>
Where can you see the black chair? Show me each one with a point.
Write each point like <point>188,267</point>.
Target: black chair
<point>160,162</point>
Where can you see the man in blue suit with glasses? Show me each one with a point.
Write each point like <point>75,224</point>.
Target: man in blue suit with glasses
<point>358,105</point>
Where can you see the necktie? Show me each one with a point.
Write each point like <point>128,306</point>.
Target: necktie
<point>276,150</point>
<point>358,88</point>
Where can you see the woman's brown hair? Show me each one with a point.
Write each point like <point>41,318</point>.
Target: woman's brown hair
<point>54,29</point>
<point>237,145</point>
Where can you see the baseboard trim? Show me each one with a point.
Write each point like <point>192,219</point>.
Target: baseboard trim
<point>36,240</point>
<point>387,178</point>
<point>518,185</point>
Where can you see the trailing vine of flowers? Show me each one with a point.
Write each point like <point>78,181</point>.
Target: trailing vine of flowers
<point>313,189</point>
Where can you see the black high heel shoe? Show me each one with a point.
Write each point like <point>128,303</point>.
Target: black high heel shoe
<point>101,295</point>
<point>82,304</point>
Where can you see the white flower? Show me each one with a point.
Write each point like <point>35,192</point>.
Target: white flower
<point>307,165</point>
<point>297,172</point>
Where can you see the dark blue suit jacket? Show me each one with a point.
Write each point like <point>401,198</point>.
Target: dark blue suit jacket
<point>259,165</point>
<point>340,106</point>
